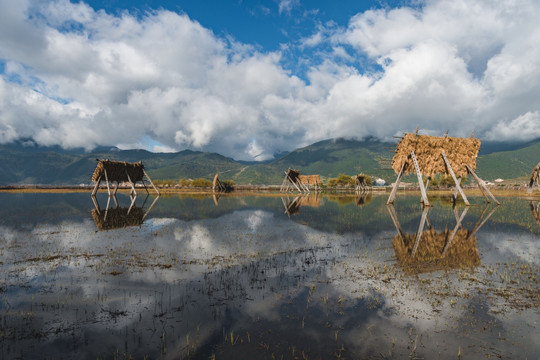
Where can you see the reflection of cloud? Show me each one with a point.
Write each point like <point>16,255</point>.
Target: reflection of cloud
<point>523,246</point>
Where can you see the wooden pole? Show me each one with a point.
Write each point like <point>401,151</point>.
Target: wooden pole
<point>151,183</point>
<point>392,196</point>
<point>97,186</point>
<point>132,185</point>
<point>420,180</point>
<point>455,179</point>
<point>107,180</point>
<point>481,184</point>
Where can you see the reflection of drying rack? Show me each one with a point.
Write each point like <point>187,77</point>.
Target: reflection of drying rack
<point>119,217</point>
<point>292,207</point>
<point>363,197</point>
<point>535,209</point>
<point>430,250</point>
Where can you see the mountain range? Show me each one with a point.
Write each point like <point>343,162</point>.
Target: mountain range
<point>23,162</point>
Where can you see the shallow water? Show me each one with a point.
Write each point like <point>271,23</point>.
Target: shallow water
<point>266,277</point>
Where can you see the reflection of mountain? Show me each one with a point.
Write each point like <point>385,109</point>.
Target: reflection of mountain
<point>432,250</point>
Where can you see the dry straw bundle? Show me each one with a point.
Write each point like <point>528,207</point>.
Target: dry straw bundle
<point>430,256</point>
<point>294,175</point>
<point>535,174</point>
<point>310,179</point>
<point>118,218</point>
<point>428,150</point>
<point>116,171</point>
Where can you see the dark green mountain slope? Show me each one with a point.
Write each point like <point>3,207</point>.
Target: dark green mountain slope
<point>329,158</point>
<point>509,164</point>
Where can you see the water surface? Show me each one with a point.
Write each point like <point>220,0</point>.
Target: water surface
<point>267,277</point>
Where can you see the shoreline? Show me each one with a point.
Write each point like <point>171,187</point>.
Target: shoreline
<point>273,190</point>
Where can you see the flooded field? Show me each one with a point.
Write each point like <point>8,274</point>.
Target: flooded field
<point>267,278</point>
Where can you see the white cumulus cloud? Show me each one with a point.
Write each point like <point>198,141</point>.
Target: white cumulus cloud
<point>77,77</point>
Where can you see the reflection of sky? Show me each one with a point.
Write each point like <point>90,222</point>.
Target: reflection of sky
<point>251,270</point>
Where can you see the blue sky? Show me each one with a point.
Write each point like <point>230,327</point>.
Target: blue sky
<point>248,79</point>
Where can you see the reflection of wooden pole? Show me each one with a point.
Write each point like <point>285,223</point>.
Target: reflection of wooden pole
<point>482,223</point>
<point>395,220</point>
<point>456,228</point>
<point>420,230</point>
<point>455,179</point>
<point>96,204</point>
<point>151,206</point>
<point>481,185</point>
<point>392,196</point>
<point>420,180</point>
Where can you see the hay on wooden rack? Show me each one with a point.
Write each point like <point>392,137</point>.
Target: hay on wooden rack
<point>535,175</point>
<point>294,176</point>
<point>116,171</point>
<point>310,179</point>
<point>430,255</point>
<point>428,150</point>
<point>118,218</point>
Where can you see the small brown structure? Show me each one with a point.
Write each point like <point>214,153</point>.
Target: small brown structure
<point>535,179</point>
<point>119,172</point>
<point>361,183</point>
<point>430,155</point>
<point>311,180</point>
<point>219,186</point>
<point>292,180</point>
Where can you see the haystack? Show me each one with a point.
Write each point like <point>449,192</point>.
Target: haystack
<point>535,178</point>
<point>428,149</point>
<point>219,186</point>
<point>310,180</point>
<point>431,155</point>
<point>292,179</point>
<point>361,182</point>
<point>431,255</point>
<point>120,172</point>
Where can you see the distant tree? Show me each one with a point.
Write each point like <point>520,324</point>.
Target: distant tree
<point>200,182</point>
<point>341,180</point>
<point>184,182</point>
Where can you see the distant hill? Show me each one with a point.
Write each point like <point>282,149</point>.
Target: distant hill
<point>24,163</point>
<point>509,164</point>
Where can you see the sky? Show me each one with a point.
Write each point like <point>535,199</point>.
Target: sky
<point>249,79</point>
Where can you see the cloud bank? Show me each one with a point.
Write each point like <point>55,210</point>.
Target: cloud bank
<point>76,77</point>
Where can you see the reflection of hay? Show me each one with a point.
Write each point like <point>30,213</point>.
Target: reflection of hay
<point>363,199</point>
<point>536,212</point>
<point>118,218</point>
<point>535,175</point>
<point>461,253</point>
<point>427,149</point>
<point>312,201</point>
<point>116,171</point>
